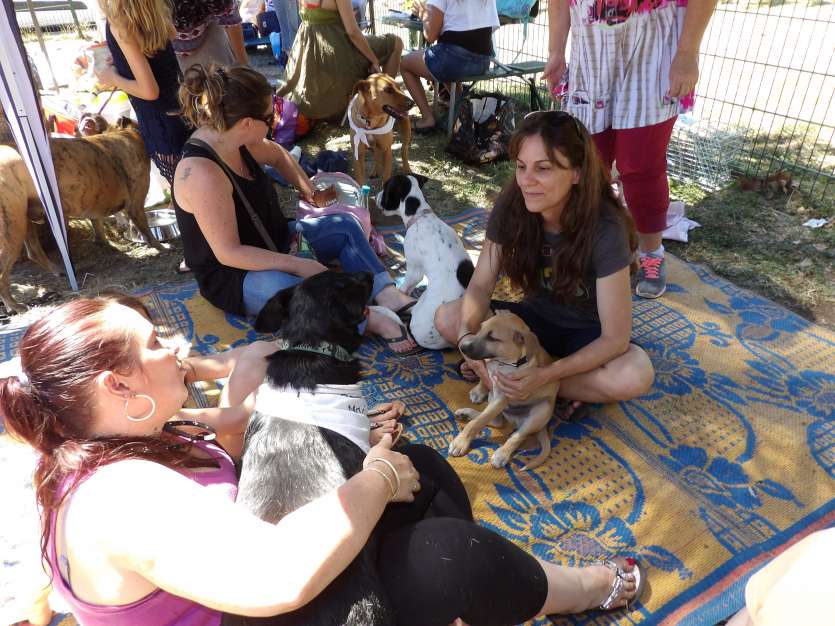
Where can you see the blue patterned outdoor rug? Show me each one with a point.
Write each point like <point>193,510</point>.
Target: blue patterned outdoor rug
<point>730,457</point>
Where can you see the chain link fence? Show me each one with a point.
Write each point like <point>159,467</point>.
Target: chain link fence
<point>764,100</point>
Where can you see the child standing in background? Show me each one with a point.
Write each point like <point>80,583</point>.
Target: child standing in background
<point>138,34</point>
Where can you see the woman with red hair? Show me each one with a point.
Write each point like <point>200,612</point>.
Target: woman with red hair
<point>140,524</point>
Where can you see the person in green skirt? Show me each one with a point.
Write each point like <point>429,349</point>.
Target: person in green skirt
<point>330,54</point>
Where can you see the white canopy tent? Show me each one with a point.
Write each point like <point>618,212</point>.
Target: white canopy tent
<point>20,103</point>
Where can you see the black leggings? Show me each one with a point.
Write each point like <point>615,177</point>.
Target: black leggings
<point>437,564</point>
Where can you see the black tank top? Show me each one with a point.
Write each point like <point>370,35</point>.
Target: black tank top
<point>219,284</point>
<point>164,68</point>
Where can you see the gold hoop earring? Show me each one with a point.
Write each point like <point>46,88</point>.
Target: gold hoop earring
<point>147,415</point>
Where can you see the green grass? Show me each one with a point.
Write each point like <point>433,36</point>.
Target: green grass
<point>759,242</point>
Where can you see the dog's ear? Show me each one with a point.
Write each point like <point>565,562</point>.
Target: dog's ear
<point>275,312</point>
<point>421,180</point>
<point>124,122</point>
<point>528,340</point>
<point>361,85</point>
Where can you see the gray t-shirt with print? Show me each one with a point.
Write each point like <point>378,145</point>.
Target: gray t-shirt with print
<point>610,254</point>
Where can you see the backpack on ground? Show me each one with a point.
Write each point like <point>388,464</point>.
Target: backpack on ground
<point>482,129</point>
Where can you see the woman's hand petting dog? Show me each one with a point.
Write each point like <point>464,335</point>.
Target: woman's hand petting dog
<point>405,481</point>
<point>520,385</point>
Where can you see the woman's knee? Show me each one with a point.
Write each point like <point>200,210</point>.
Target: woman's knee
<point>447,320</point>
<point>634,375</point>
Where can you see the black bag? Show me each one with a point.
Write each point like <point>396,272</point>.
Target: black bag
<point>482,129</point>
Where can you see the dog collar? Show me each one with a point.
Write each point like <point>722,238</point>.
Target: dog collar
<point>324,348</point>
<point>518,363</point>
<point>361,134</point>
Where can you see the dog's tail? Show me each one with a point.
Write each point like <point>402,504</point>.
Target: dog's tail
<point>545,443</point>
<point>464,272</point>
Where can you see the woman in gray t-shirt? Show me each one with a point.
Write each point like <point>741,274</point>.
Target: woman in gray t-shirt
<point>559,233</point>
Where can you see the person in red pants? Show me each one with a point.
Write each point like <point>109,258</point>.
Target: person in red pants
<point>635,65</point>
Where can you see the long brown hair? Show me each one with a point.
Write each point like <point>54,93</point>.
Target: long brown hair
<point>520,233</point>
<point>146,21</point>
<point>49,404</point>
<point>219,97</point>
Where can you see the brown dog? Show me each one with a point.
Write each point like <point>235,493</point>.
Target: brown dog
<point>507,345</point>
<point>376,104</point>
<point>90,124</point>
<point>19,204</point>
<point>97,177</point>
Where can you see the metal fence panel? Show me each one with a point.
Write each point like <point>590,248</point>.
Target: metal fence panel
<point>764,99</point>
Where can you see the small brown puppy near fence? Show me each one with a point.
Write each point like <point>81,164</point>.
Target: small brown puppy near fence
<point>97,177</point>
<point>376,104</point>
<point>507,345</point>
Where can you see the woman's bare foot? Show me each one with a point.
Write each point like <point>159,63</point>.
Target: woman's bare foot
<point>424,123</point>
<point>571,410</point>
<point>602,578</point>
<point>390,328</point>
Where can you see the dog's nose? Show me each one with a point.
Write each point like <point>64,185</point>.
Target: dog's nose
<point>469,347</point>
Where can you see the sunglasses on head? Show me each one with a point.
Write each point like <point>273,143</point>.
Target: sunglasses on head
<point>555,118</point>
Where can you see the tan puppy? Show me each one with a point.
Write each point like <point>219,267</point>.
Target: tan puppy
<point>376,104</point>
<point>507,345</point>
<point>97,177</point>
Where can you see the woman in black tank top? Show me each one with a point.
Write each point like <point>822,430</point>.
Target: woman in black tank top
<point>237,266</point>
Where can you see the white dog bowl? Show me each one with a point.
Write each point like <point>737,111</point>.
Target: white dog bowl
<point>163,225</point>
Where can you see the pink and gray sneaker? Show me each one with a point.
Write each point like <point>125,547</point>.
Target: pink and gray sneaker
<point>652,276</point>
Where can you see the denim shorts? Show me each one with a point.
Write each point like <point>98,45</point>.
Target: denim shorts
<point>447,62</point>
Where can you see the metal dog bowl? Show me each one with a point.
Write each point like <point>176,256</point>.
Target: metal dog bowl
<point>163,225</point>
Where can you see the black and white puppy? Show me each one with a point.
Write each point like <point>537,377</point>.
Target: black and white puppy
<point>432,249</point>
<point>309,433</point>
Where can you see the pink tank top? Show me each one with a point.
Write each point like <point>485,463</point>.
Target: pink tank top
<point>159,608</point>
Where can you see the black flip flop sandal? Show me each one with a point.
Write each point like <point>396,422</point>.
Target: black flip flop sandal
<point>405,335</point>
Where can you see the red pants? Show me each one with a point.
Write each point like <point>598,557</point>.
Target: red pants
<point>641,157</point>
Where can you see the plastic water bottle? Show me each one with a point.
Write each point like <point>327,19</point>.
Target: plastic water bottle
<point>365,194</point>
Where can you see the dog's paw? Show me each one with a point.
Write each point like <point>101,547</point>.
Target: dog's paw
<point>500,458</point>
<point>478,394</point>
<point>459,446</point>
<point>466,413</point>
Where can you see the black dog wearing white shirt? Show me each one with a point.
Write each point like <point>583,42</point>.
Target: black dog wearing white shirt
<point>287,459</point>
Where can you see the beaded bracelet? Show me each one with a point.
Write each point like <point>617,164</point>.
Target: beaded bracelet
<point>388,480</point>
<point>391,467</point>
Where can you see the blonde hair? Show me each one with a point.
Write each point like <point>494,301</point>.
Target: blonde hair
<point>217,97</point>
<point>149,22</point>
